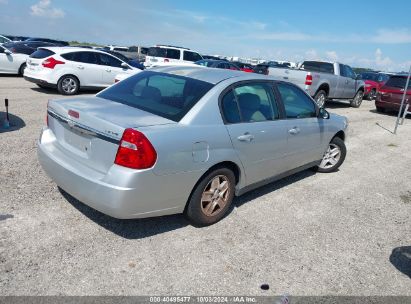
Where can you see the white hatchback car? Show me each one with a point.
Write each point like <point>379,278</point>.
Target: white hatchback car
<point>70,69</point>
<point>12,63</point>
<point>161,55</point>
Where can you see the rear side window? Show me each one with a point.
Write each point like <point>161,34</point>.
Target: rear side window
<point>84,57</point>
<point>41,53</point>
<point>296,103</point>
<point>191,56</point>
<point>249,103</point>
<point>165,95</point>
<point>164,52</point>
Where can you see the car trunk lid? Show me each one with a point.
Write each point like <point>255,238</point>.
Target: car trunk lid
<point>89,129</point>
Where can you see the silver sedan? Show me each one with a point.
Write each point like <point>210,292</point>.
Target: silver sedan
<point>185,140</point>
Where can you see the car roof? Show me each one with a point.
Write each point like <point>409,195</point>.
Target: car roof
<point>69,49</point>
<point>210,75</point>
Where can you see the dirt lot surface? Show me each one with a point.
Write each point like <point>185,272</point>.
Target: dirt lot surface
<point>345,233</point>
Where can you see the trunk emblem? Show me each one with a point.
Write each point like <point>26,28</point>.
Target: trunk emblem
<point>74,114</point>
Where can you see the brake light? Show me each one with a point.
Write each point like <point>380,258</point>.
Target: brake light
<point>135,151</point>
<point>309,79</point>
<point>50,63</point>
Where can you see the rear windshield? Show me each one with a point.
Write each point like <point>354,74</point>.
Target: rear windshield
<point>316,66</point>
<point>41,53</point>
<point>165,95</point>
<point>164,52</point>
<point>369,76</point>
<point>397,82</point>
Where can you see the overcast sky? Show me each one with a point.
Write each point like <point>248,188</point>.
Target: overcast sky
<point>375,34</point>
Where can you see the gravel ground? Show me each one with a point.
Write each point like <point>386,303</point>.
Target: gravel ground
<point>343,233</point>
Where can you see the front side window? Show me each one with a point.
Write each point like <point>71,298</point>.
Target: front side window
<point>250,103</point>
<point>165,95</point>
<point>296,103</point>
<point>191,56</point>
<point>109,61</point>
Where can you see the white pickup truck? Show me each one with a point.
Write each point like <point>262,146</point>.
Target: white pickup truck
<point>324,81</point>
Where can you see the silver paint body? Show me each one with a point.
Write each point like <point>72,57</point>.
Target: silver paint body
<point>79,154</point>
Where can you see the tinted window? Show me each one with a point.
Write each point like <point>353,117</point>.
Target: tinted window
<point>297,104</point>
<point>191,56</point>
<point>84,57</point>
<point>315,66</point>
<point>369,76</point>
<point>41,53</point>
<point>350,72</point>
<point>165,95</point>
<point>157,52</point>
<point>398,82</point>
<point>173,54</point>
<point>230,108</point>
<point>109,60</point>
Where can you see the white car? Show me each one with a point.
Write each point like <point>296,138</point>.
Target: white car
<point>4,39</point>
<point>161,55</point>
<point>70,69</point>
<point>12,63</point>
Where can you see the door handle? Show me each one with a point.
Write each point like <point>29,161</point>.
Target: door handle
<point>246,137</point>
<point>80,67</point>
<point>108,70</point>
<point>294,131</point>
<point>346,82</point>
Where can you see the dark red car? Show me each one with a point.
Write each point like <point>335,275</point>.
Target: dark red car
<point>390,94</point>
<point>371,84</point>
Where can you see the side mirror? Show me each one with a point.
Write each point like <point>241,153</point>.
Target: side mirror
<point>7,52</point>
<point>323,113</point>
<point>125,66</point>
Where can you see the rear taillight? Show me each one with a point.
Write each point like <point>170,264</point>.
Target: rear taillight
<point>50,63</point>
<point>309,80</point>
<point>135,151</point>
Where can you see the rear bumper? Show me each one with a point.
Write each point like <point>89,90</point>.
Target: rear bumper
<point>389,105</point>
<point>121,192</point>
<point>40,82</point>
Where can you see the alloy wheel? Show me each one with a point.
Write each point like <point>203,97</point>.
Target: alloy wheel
<point>331,156</point>
<point>69,85</point>
<point>215,195</point>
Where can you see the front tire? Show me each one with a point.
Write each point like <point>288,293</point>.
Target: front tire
<point>333,157</point>
<point>68,85</point>
<point>22,68</point>
<point>372,94</point>
<point>211,198</point>
<point>356,102</point>
<point>320,98</point>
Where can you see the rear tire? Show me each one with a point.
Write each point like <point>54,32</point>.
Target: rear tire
<point>68,85</point>
<point>22,68</point>
<point>333,157</point>
<point>320,98</point>
<point>211,197</point>
<point>356,102</point>
<point>380,110</point>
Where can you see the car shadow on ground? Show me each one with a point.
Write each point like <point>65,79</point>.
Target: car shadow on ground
<point>390,113</point>
<point>142,228</point>
<point>15,122</point>
<point>254,194</point>
<point>129,229</point>
<point>336,104</point>
<point>53,91</point>
<point>401,259</point>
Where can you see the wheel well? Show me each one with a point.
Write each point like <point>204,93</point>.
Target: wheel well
<point>225,164</point>
<point>69,75</point>
<point>340,134</point>
<point>20,71</point>
<point>325,88</point>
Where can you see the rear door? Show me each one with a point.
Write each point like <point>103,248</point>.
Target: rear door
<point>304,130</point>
<point>251,115</point>
<point>85,66</point>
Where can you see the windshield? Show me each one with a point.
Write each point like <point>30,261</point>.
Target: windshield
<point>398,82</point>
<point>165,95</point>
